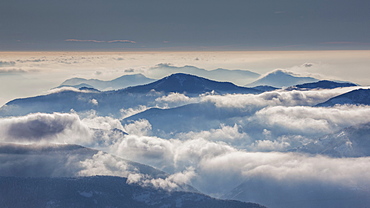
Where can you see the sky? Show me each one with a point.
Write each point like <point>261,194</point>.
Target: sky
<point>184,25</point>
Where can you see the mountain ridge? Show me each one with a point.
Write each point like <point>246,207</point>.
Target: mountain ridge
<point>114,84</point>
<point>355,97</point>
<point>100,191</point>
<point>322,84</point>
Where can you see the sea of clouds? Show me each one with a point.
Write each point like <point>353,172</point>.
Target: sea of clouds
<point>214,161</point>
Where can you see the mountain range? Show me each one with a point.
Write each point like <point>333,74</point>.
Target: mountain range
<point>100,191</point>
<point>229,126</point>
<point>110,102</point>
<point>239,77</point>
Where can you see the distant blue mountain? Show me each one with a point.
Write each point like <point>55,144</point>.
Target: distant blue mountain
<point>323,84</point>
<point>115,84</point>
<point>280,78</point>
<point>190,84</point>
<point>100,191</point>
<point>355,97</point>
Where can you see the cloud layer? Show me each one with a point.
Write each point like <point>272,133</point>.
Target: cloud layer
<point>208,160</point>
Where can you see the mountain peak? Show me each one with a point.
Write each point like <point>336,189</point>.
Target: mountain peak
<point>187,83</point>
<point>181,77</point>
<point>281,72</point>
<point>281,78</point>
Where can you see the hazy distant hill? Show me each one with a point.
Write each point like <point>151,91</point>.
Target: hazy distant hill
<point>236,76</point>
<point>115,84</point>
<point>280,78</point>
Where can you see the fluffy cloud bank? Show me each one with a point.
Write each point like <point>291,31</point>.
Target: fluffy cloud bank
<point>277,97</point>
<point>173,100</point>
<point>312,120</point>
<point>63,89</point>
<point>219,167</point>
<point>91,131</point>
<point>40,127</point>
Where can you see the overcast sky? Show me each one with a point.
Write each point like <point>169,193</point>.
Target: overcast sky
<point>184,24</point>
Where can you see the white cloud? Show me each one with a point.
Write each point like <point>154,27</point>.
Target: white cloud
<point>270,145</point>
<point>172,182</point>
<point>92,131</point>
<point>294,169</point>
<point>169,155</point>
<point>148,150</point>
<point>173,100</point>
<point>94,102</point>
<point>231,135</point>
<point>211,166</point>
<point>311,120</point>
<point>63,89</point>
<point>223,133</point>
<point>105,164</point>
<point>56,127</point>
<point>99,122</point>
<point>132,111</point>
<point>277,97</point>
<point>219,167</point>
<point>140,127</point>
